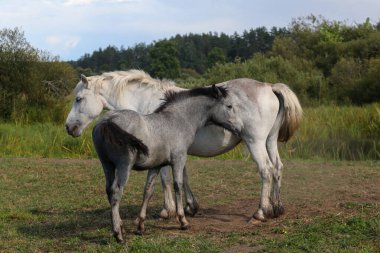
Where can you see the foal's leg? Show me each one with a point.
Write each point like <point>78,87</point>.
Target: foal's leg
<point>115,192</point>
<point>148,192</point>
<point>274,156</point>
<point>192,205</point>
<point>178,165</point>
<point>259,153</point>
<point>169,210</point>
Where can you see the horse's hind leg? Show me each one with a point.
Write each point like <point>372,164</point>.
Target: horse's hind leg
<point>259,153</point>
<point>115,192</point>
<point>192,205</point>
<point>169,210</point>
<point>272,149</point>
<point>148,192</point>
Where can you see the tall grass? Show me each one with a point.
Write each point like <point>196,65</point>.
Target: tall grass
<point>327,132</point>
<point>43,140</point>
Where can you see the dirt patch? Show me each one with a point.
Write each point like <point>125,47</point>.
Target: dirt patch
<point>310,190</point>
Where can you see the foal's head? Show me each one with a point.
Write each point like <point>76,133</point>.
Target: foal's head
<point>221,112</point>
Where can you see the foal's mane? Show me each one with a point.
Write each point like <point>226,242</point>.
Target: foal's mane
<point>118,81</point>
<point>172,97</point>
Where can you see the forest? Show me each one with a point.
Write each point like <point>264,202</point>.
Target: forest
<point>325,62</point>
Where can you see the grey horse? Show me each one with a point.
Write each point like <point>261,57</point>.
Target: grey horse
<point>126,140</point>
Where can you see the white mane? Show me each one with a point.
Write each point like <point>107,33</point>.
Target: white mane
<point>118,81</point>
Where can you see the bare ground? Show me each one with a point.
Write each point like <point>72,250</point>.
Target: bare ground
<point>309,190</point>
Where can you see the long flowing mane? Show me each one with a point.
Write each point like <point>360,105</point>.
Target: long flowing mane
<point>173,97</point>
<point>118,81</point>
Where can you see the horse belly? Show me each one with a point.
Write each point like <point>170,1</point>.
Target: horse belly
<point>212,140</point>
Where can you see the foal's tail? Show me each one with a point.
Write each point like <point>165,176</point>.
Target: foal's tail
<point>292,111</point>
<point>116,136</point>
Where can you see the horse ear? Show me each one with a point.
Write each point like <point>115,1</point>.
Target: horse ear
<point>84,80</point>
<point>217,93</point>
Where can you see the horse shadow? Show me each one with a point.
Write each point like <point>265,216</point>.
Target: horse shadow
<point>86,225</point>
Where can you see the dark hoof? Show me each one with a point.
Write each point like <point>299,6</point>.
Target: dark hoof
<point>119,238</point>
<point>139,232</point>
<point>190,210</point>
<point>185,226</point>
<point>278,211</point>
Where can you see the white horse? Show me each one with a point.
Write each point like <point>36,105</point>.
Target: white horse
<point>267,113</point>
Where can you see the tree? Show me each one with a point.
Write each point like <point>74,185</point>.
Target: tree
<point>30,80</point>
<point>215,56</point>
<point>165,62</point>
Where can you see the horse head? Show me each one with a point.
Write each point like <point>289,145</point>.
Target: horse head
<point>86,106</point>
<point>225,114</point>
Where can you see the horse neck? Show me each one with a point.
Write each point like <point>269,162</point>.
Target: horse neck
<point>195,111</point>
<point>138,97</point>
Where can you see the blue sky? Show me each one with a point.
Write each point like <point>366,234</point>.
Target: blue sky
<point>71,28</point>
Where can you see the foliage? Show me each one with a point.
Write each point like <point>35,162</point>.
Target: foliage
<point>305,79</point>
<point>328,61</point>
<point>32,83</point>
<point>165,63</point>
<point>324,62</point>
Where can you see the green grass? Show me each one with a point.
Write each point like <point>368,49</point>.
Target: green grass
<point>43,140</point>
<point>59,205</point>
<point>326,132</point>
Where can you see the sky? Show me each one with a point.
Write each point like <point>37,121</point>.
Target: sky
<point>71,28</point>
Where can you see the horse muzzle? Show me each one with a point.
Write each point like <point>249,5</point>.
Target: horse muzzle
<point>73,131</point>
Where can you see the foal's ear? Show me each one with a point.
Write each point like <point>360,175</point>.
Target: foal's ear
<point>84,80</point>
<point>217,93</point>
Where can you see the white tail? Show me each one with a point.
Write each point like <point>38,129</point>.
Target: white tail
<point>292,111</point>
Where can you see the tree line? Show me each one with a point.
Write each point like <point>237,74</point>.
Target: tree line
<point>323,61</point>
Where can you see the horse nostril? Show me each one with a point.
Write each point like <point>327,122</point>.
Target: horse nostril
<point>67,128</point>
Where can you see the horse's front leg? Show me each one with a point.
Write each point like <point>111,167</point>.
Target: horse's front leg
<point>178,165</point>
<point>148,192</point>
<point>192,205</point>
<point>169,210</point>
<point>115,193</point>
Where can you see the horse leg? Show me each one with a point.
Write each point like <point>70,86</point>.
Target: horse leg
<point>115,192</point>
<point>148,192</point>
<point>169,209</point>
<point>259,153</point>
<point>192,205</point>
<point>178,166</point>
<point>274,156</point>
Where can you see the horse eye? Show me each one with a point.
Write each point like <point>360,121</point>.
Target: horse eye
<point>78,99</point>
<point>229,106</point>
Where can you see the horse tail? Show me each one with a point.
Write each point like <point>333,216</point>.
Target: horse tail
<point>292,111</point>
<point>115,135</point>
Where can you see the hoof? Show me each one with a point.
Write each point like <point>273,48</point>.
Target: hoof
<point>165,214</point>
<point>278,211</point>
<point>139,232</point>
<point>259,215</point>
<point>119,238</point>
<point>185,226</point>
<point>254,221</point>
<point>190,210</point>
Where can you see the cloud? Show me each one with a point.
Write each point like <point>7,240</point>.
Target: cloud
<point>88,2</point>
<point>77,2</point>
<point>63,41</point>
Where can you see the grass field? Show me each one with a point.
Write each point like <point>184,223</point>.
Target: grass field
<point>327,132</point>
<point>59,205</point>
